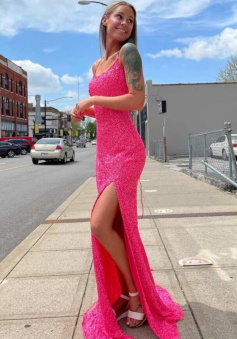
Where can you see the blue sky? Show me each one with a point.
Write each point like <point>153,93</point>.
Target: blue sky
<point>56,42</point>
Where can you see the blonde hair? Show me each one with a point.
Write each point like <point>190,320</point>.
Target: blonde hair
<point>102,32</point>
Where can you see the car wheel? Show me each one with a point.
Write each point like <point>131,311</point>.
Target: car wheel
<point>211,153</point>
<point>35,161</point>
<point>73,157</point>
<point>23,151</point>
<point>224,155</point>
<point>64,160</point>
<point>11,154</point>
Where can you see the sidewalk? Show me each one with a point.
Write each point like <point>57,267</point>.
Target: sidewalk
<point>47,282</point>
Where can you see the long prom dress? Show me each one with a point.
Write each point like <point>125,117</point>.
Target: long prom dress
<point>120,158</point>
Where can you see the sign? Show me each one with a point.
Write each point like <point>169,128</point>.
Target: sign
<point>36,128</point>
<point>194,261</point>
<point>61,132</point>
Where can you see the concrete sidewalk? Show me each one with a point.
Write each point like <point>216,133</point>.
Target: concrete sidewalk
<point>47,282</point>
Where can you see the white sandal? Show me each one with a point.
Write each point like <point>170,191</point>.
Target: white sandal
<point>136,315</point>
<point>125,313</point>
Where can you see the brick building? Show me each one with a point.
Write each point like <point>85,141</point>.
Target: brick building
<point>13,99</point>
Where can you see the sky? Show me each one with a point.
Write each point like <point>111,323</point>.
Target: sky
<point>56,42</point>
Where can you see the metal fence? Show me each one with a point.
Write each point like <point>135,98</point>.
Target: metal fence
<point>213,153</point>
<point>158,146</point>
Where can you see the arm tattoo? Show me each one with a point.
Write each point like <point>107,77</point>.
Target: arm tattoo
<point>132,66</point>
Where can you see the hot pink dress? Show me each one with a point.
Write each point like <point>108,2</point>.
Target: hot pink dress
<point>120,158</point>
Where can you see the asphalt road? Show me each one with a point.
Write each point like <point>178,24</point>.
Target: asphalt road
<point>30,193</point>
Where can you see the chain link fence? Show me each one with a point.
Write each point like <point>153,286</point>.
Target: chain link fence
<point>158,147</point>
<point>214,153</point>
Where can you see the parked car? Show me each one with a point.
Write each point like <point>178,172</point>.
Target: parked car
<point>9,150</point>
<point>25,145</point>
<point>52,149</point>
<point>220,148</point>
<point>31,140</point>
<point>80,143</point>
<point>93,142</point>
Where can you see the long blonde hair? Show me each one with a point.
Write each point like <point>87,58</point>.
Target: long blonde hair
<point>102,32</point>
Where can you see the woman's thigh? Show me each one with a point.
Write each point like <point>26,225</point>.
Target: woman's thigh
<point>105,210</point>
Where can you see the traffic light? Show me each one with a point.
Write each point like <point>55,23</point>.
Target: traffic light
<point>69,117</point>
<point>43,121</point>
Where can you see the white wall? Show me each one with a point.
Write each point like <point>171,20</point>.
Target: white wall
<point>191,109</point>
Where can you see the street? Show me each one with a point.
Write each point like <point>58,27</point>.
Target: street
<point>30,193</point>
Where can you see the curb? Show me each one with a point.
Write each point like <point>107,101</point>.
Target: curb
<point>13,258</point>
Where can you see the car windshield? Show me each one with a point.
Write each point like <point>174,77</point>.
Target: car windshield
<point>49,141</point>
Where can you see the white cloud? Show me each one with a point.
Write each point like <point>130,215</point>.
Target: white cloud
<point>72,94</point>
<point>49,50</point>
<point>37,14</point>
<point>168,52</point>
<point>217,47</point>
<point>40,79</point>
<point>68,80</point>
<point>89,74</point>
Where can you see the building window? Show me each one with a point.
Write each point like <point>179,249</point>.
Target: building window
<point>25,111</point>
<point>16,87</point>
<point>21,110</point>
<point>0,80</point>
<point>12,107</point>
<point>6,81</point>
<point>17,110</point>
<point>2,110</point>
<point>7,107</point>
<point>20,88</point>
<point>11,85</point>
<point>24,91</point>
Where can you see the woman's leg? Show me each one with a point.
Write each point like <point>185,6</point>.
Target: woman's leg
<point>102,220</point>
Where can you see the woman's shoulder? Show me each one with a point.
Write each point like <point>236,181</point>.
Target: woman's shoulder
<point>95,65</point>
<point>128,50</point>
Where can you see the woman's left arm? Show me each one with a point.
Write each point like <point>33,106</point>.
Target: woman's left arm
<point>130,60</point>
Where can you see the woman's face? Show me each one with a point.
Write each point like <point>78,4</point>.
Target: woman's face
<point>120,23</point>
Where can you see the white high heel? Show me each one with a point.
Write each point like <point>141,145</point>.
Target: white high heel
<point>136,315</point>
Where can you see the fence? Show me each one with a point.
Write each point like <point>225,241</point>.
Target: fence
<point>213,152</point>
<point>158,146</point>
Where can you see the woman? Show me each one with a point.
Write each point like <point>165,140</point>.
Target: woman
<point>124,281</point>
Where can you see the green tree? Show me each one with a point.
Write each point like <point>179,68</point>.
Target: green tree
<point>76,127</point>
<point>91,129</point>
<point>229,73</point>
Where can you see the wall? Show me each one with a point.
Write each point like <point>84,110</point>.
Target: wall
<point>191,109</point>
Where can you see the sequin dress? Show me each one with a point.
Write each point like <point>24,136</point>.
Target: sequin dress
<point>120,158</point>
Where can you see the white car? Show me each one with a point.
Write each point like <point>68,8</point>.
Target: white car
<point>93,142</point>
<point>220,147</point>
<point>52,149</point>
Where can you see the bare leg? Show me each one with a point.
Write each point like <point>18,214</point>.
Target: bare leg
<point>102,220</point>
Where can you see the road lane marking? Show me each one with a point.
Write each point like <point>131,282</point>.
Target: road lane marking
<point>11,168</point>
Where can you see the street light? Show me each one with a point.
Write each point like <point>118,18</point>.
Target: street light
<point>91,2</point>
<point>45,113</point>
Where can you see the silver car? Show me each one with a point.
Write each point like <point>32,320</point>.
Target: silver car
<point>52,149</point>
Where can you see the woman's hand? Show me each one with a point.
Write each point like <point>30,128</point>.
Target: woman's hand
<point>81,109</point>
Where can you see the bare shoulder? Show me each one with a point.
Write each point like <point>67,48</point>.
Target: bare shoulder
<point>128,52</point>
<point>95,65</point>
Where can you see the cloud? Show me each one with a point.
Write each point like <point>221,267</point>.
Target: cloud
<point>89,74</point>
<point>69,80</point>
<point>72,94</point>
<point>49,50</point>
<point>40,79</point>
<point>217,47</point>
<point>37,14</point>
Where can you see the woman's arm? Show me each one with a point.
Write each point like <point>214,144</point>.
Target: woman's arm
<point>131,62</point>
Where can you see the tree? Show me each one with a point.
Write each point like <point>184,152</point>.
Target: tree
<point>76,127</point>
<point>91,129</point>
<point>229,73</point>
